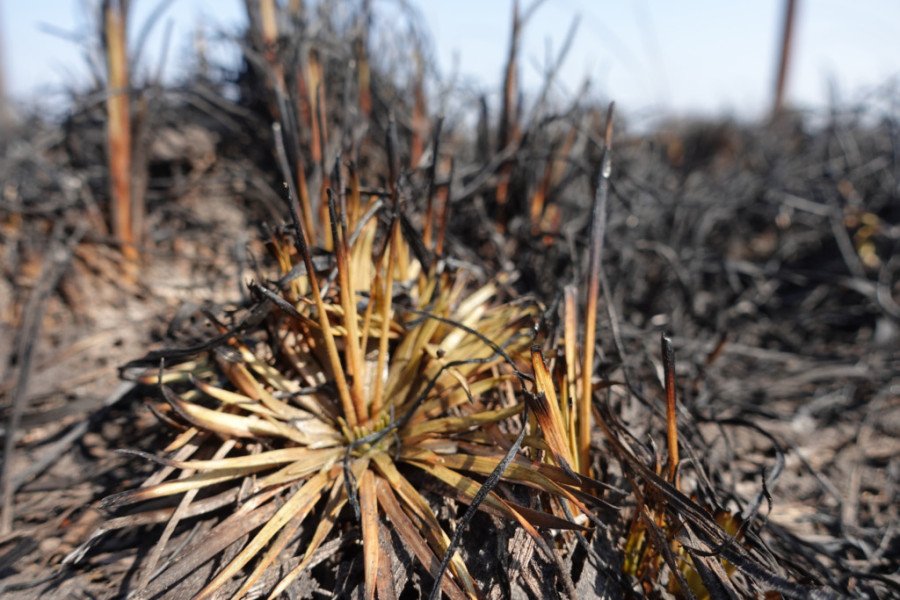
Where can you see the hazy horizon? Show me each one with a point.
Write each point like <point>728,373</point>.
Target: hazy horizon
<point>655,58</point>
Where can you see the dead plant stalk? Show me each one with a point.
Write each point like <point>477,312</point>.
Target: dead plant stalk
<point>124,214</point>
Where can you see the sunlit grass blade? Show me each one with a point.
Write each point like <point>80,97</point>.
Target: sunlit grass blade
<point>347,295</point>
<point>385,298</point>
<point>520,471</point>
<point>246,383</point>
<point>371,546</point>
<point>298,469</point>
<point>296,508</point>
<point>234,425</point>
<point>337,499</point>
<point>445,425</point>
<point>598,233</point>
<point>179,486</point>
<point>270,458</point>
<point>468,488</point>
<point>545,407</point>
<point>413,539</point>
<point>579,426</point>
<point>430,528</point>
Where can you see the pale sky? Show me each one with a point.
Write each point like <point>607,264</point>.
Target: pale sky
<point>654,57</point>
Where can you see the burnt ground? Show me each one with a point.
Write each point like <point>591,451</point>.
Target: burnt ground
<point>770,251</point>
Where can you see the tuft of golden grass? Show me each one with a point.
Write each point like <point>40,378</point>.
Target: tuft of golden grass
<point>373,373</point>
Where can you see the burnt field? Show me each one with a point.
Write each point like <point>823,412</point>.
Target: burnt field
<point>326,326</point>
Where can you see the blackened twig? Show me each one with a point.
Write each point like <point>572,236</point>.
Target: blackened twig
<point>56,266</point>
<point>489,484</point>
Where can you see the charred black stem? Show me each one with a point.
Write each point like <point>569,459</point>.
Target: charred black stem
<point>488,486</point>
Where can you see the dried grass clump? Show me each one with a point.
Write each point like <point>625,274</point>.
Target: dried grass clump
<point>351,371</point>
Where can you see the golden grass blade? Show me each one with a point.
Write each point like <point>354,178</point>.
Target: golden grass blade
<point>535,475</point>
<point>323,459</point>
<point>171,488</point>
<point>313,425</point>
<point>457,396</point>
<point>457,424</point>
<point>180,512</point>
<point>234,425</point>
<point>375,287</point>
<point>180,372</point>
<point>467,488</point>
<point>474,301</point>
<point>244,381</point>
<point>181,440</point>
<point>598,227</point>
<point>296,508</point>
<point>336,501</point>
<point>274,377</point>
<point>362,267</point>
<point>545,407</point>
<point>334,359</point>
<point>440,363</point>
<point>315,432</point>
<point>500,331</point>
<point>324,406</point>
<point>407,361</point>
<point>271,458</point>
<point>268,18</point>
<point>544,383</point>
<point>407,492</point>
<point>413,539</point>
<point>264,370</point>
<point>579,426</point>
<point>368,506</point>
<point>233,399</point>
<point>385,582</point>
<point>272,552</point>
<point>429,525</point>
<point>386,299</point>
<point>347,295</point>
<point>410,348</point>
